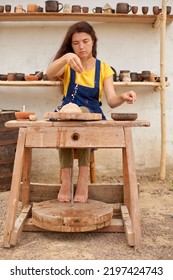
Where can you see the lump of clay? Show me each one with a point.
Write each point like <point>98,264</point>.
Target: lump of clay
<point>71,108</point>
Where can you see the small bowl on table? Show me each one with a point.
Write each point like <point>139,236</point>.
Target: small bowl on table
<point>124,116</point>
<point>23,115</point>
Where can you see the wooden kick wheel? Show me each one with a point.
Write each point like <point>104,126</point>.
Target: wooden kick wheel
<point>79,217</point>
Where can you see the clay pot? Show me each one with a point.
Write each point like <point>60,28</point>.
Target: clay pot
<point>153,77</point>
<point>1,9</point>
<point>85,10</point>
<point>139,77</point>
<point>3,77</point>
<point>76,9</point>
<point>134,9</point>
<point>123,8</point>
<point>32,8</point>
<point>134,76</point>
<point>121,75</point>
<point>23,115</point>
<point>8,8</point>
<point>168,9</point>
<point>11,76</point>
<point>40,9</point>
<point>20,76</point>
<point>39,74</point>
<point>145,10</point>
<point>53,6</point>
<point>156,10</point>
<point>31,77</point>
<point>146,75</point>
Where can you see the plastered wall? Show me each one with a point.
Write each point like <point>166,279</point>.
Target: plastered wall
<point>30,46</point>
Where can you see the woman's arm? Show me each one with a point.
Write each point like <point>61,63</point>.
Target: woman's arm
<point>113,99</point>
<point>56,68</point>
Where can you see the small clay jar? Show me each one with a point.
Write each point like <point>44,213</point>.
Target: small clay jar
<point>20,76</point>
<point>168,9</point>
<point>8,8</point>
<point>3,77</point>
<point>40,9</point>
<point>146,75</point>
<point>39,74</point>
<point>32,8</point>
<point>134,9</point>
<point>145,10</point>
<point>121,75</point>
<point>11,76</point>
<point>155,10</point>
<point>134,76</point>
<point>1,9</point>
<point>139,77</point>
<point>76,9</point>
<point>85,10</point>
<point>97,10</point>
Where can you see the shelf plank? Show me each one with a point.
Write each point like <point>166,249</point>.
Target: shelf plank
<point>56,16</point>
<point>58,83</point>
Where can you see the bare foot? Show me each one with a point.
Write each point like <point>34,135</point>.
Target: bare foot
<point>64,192</point>
<point>81,194</point>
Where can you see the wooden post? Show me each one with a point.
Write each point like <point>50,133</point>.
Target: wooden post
<point>163,92</point>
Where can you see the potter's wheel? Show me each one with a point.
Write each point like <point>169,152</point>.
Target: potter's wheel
<point>79,217</point>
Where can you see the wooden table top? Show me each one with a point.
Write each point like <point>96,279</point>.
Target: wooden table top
<point>101,123</point>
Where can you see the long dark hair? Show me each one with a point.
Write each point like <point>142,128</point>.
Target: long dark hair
<point>81,26</point>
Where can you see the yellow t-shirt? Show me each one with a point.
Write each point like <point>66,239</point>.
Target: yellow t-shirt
<point>87,77</point>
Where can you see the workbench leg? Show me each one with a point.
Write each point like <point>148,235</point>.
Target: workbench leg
<point>26,176</point>
<point>131,184</point>
<point>15,186</point>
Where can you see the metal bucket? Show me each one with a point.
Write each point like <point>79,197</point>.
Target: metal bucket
<point>8,141</point>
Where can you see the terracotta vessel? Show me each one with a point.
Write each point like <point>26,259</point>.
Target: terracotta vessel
<point>32,8</point>
<point>53,6</point>
<point>23,115</point>
<point>123,8</point>
<point>20,76</point>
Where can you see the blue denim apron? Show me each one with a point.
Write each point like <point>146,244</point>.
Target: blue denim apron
<point>82,95</point>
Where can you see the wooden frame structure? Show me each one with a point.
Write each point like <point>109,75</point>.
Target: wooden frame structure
<point>157,21</point>
<point>73,134</point>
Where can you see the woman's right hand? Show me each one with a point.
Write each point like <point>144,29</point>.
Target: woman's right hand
<point>74,62</point>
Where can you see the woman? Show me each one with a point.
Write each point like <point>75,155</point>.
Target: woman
<point>84,78</point>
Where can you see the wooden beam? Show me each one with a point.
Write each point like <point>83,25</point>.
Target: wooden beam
<point>109,193</point>
<point>19,224</point>
<point>128,228</point>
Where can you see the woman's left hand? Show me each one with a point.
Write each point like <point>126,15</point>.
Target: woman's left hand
<point>129,97</point>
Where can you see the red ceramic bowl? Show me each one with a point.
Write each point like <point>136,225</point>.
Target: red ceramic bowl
<point>23,115</point>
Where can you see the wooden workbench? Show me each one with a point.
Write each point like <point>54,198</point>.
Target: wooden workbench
<point>72,134</point>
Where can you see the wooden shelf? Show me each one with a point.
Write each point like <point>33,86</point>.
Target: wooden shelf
<point>118,18</point>
<point>58,83</point>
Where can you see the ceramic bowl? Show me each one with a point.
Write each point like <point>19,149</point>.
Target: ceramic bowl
<point>124,116</point>
<point>31,77</point>
<point>23,115</point>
